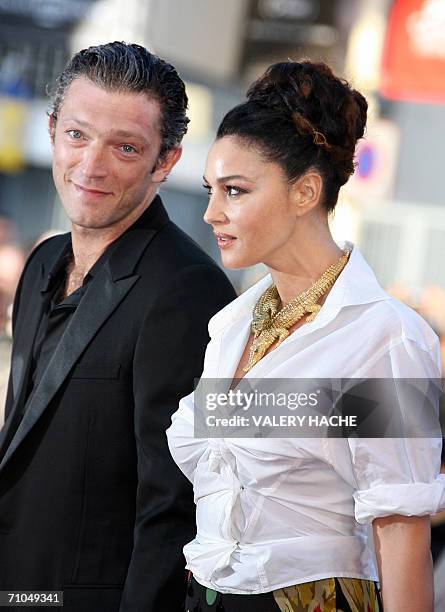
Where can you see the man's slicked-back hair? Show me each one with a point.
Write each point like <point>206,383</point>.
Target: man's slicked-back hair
<point>119,66</point>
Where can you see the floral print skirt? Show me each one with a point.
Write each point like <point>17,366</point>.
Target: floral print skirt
<point>327,595</point>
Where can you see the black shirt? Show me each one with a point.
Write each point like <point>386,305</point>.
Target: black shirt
<point>57,313</point>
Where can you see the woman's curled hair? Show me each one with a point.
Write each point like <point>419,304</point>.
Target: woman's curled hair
<point>301,116</point>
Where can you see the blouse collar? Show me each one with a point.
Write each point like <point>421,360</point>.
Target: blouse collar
<point>357,284</point>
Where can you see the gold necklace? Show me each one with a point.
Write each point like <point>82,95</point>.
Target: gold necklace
<point>271,321</point>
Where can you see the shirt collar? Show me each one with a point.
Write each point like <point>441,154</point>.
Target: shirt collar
<point>58,269</point>
<point>357,284</point>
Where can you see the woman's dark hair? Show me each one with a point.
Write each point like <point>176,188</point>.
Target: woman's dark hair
<point>301,116</point>
<point>119,66</point>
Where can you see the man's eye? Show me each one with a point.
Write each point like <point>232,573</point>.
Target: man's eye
<point>128,149</point>
<point>75,134</point>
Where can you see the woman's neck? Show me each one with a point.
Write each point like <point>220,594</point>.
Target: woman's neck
<point>304,265</point>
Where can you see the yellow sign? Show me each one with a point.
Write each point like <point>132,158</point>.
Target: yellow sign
<point>13,115</point>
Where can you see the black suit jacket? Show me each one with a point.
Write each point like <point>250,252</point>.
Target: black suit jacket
<point>91,502</point>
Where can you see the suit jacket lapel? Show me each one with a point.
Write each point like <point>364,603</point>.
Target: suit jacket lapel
<point>22,351</point>
<point>107,289</point>
<point>23,348</point>
<point>20,366</point>
<point>101,299</point>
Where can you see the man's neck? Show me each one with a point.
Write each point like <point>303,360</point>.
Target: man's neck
<point>89,243</point>
<point>87,252</point>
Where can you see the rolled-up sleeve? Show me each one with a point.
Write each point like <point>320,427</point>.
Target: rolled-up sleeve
<point>398,475</point>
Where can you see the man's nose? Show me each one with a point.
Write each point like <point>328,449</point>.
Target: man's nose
<point>215,213</point>
<point>94,162</point>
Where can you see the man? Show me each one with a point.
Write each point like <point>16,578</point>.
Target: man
<point>110,327</point>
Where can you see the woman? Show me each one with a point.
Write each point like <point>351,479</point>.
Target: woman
<point>282,524</point>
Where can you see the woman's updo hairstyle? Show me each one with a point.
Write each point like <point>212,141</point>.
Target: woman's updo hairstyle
<point>301,116</point>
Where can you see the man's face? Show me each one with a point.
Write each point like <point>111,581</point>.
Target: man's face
<point>105,149</point>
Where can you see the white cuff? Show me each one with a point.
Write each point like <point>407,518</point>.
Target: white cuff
<point>412,499</point>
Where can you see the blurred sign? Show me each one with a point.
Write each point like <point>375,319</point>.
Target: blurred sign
<point>13,114</point>
<point>414,56</point>
<point>376,158</point>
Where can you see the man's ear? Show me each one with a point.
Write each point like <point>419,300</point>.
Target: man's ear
<point>52,127</point>
<point>307,192</point>
<point>165,165</point>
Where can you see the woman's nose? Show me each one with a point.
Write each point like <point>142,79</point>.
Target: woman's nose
<point>215,211</point>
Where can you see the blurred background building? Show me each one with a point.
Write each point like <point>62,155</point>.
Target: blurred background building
<point>392,50</point>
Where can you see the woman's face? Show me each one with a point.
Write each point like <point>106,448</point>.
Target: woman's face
<point>251,204</point>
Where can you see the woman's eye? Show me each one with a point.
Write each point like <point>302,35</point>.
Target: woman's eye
<point>128,148</point>
<point>234,191</point>
<point>75,134</point>
<point>208,189</point>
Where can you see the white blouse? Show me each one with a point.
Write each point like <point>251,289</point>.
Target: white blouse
<point>281,511</point>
